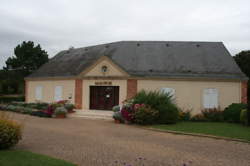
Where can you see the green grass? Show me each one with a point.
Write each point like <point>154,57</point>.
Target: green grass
<point>23,158</point>
<point>210,128</point>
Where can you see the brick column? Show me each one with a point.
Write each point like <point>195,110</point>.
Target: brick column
<point>26,87</point>
<point>131,88</point>
<point>244,92</point>
<point>78,93</point>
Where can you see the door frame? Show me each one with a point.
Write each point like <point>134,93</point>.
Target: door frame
<point>116,97</point>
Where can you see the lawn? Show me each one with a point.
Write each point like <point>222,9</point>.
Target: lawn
<point>210,128</point>
<point>23,158</point>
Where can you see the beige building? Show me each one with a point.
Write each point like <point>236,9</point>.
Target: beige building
<point>197,74</point>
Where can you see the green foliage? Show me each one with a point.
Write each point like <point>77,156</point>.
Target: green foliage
<point>185,115</point>
<point>243,117</point>
<point>60,111</point>
<point>116,108</point>
<point>168,111</point>
<point>145,115</point>
<point>118,116</point>
<point>24,158</point>
<point>10,132</point>
<point>230,130</point>
<point>213,114</point>
<point>9,99</point>
<point>69,107</point>
<point>28,57</point>
<point>232,112</point>
<point>199,118</point>
<point>243,60</point>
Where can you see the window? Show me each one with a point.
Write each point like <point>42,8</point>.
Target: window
<point>39,93</point>
<point>210,98</point>
<point>58,93</point>
<point>170,91</point>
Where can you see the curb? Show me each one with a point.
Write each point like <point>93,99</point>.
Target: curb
<point>194,134</point>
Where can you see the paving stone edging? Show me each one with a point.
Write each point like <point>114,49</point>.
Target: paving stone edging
<point>195,134</point>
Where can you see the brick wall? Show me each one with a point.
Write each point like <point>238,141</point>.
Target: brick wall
<point>131,88</point>
<point>78,93</point>
<point>244,92</point>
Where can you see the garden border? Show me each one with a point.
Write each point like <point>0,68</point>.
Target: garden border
<point>194,134</point>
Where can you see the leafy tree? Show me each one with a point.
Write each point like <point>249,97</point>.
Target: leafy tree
<point>243,60</point>
<point>28,57</point>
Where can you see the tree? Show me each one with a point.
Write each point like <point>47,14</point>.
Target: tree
<point>243,60</point>
<point>28,58</point>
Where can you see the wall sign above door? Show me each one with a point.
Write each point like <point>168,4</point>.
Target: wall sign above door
<point>103,83</point>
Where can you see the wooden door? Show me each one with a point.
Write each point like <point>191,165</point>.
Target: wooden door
<point>104,97</point>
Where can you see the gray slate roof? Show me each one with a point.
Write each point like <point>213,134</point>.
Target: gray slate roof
<point>168,59</point>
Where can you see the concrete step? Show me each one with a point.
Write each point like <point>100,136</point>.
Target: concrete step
<point>92,114</point>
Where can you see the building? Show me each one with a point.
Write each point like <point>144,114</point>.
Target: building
<point>198,74</point>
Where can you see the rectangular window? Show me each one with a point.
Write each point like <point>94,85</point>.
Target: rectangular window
<point>170,91</point>
<point>39,93</point>
<point>210,98</point>
<point>58,93</point>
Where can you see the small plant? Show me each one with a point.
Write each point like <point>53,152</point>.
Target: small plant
<point>10,133</point>
<point>232,112</point>
<point>117,116</point>
<point>70,107</point>
<point>213,114</point>
<point>243,117</point>
<point>116,108</point>
<point>199,118</point>
<point>60,112</point>
<point>185,115</point>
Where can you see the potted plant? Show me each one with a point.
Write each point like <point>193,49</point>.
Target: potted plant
<point>60,112</point>
<point>70,108</point>
<point>117,116</point>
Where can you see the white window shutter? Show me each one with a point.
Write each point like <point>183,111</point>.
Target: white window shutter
<point>58,93</point>
<point>210,98</point>
<point>39,93</point>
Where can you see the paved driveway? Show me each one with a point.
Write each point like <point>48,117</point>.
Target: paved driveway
<point>98,142</point>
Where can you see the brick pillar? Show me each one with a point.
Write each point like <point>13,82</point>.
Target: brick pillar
<point>26,87</point>
<point>131,88</point>
<point>78,93</point>
<point>244,92</point>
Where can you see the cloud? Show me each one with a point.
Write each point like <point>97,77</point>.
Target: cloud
<point>59,24</point>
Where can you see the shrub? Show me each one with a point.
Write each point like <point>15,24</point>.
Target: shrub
<point>145,115</point>
<point>232,112</point>
<point>60,111</point>
<point>213,114</point>
<point>116,108</point>
<point>198,118</point>
<point>10,132</point>
<point>118,116</point>
<point>243,117</point>
<point>168,111</point>
<point>9,99</point>
<point>185,115</point>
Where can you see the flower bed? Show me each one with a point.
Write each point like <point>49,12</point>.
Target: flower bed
<point>57,109</point>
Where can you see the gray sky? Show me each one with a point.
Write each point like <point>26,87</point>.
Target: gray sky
<point>59,24</point>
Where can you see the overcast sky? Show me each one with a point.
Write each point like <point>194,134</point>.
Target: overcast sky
<point>59,24</point>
